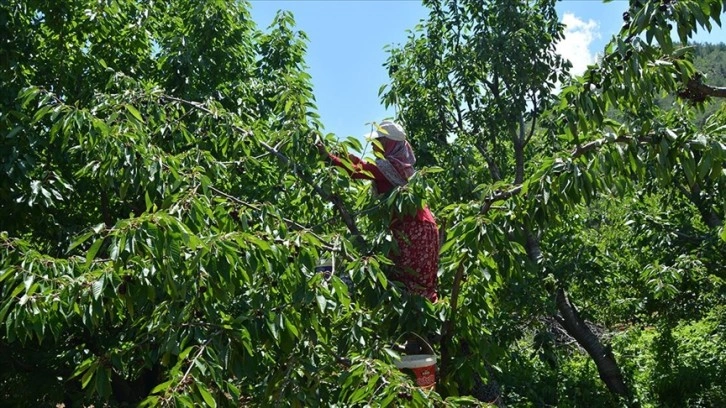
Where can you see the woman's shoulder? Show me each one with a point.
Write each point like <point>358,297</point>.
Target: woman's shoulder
<point>425,214</point>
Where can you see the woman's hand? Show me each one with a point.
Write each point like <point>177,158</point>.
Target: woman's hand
<point>322,150</point>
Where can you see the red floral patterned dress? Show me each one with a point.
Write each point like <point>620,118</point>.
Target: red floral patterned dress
<point>417,258</point>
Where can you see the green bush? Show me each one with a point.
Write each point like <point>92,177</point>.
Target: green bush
<point>682,366</point>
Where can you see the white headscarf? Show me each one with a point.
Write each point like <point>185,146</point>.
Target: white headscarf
<point>397,162</point>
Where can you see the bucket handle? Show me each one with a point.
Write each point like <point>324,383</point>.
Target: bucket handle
<point>431,349</point>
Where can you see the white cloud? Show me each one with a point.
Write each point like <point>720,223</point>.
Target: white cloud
<point>575,46</point>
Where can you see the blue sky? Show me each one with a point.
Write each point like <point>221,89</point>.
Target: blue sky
<point>346,44</point>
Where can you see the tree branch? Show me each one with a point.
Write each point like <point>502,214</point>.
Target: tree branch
<point>696,91</point>
<point>293,224</point>
<point>459,118</point>
<point>534,120</point>
<point>447,332</point>
<point>500,196</point>
<point>596,144</point>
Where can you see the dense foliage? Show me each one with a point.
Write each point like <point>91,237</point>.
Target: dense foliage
<point>162,209</point>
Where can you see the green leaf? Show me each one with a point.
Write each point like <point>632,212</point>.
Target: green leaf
<point>14,132</point>
<point>341,290</point>
<point>159,389</point>
<point>392,353</point>
<point>262,244</point>
<point>97,288</point>
<point>5,309</point>
<point>447,246</point>
<point>273,330</point>
<point>680,52</point>
<point>689,169</point>
<point>93,250</point>
<point>716,12</point>
<point>28,282</point>
<point>40,113</point>
<point>354,143</point>
<point>147,200</point>
<point>201,365</point>
<point>114,249</point>
<point>6,272</point>
<point>103,382</point>
<point>88,375</point>
<point>704,167</point>
<point>382,279</point>
<point>322,302</point>
<point>348,165</point>
<point>358,395</point>
<point>151,401</point>
<point>135,113</point>
<point>27,95</point>
<point>291,327</point>
<point>388,400</point>
<point>81,239</point>
<point>183,400</point>
<point>206,395</point>
<point>185,352</point>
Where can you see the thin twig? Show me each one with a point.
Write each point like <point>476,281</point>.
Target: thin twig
<point>191,363</point>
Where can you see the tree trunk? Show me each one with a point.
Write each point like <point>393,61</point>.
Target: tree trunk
<point>571,321</point>
<point>710,218</point>
<point>602,356</point>
<point>447,332</point>
<point>105,210</point>
<point>518,152</point>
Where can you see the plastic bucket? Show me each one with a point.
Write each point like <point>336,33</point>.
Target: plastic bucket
<point>423,367</point>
